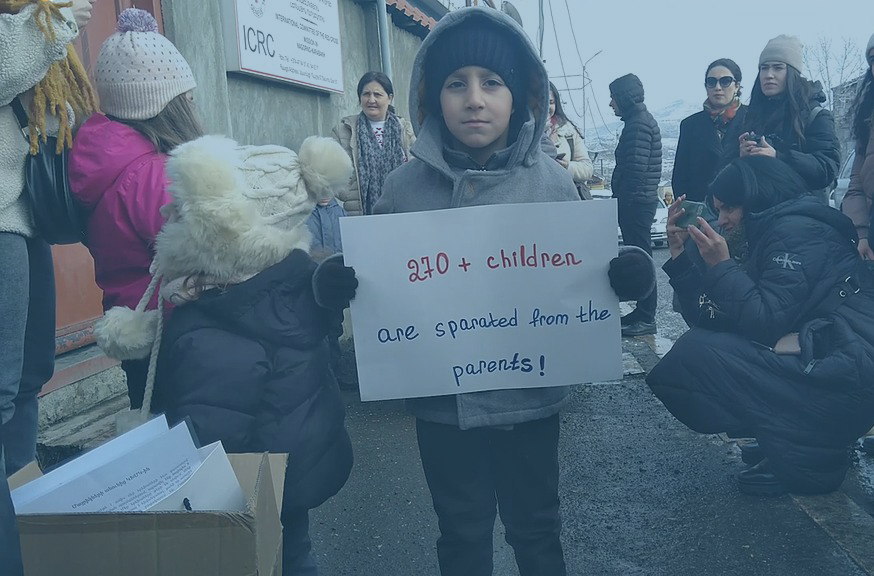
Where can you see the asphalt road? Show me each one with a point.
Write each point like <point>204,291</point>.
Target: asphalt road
<point>641,495</point>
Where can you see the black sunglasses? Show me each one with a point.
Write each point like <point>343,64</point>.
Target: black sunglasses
<point>725,81</point>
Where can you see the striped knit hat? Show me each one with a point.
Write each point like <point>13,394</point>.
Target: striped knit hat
<point>138,70</point>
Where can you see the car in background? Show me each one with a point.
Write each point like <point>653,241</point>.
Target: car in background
<point>658,233</point>
<point>836,196</point>
<point>659,229</point>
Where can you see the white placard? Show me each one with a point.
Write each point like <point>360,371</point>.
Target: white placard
<point>294,41</point>
<point>484,298</point>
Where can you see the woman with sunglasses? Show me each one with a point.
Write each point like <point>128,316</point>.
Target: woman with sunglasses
<point>702,148</point>
<point>786,119</point>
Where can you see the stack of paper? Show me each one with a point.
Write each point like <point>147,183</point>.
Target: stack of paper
<point>152,467</point>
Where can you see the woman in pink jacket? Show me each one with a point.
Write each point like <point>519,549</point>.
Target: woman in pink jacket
<point>117,162</point>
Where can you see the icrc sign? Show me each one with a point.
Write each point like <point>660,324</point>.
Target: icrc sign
<point>295,41</point>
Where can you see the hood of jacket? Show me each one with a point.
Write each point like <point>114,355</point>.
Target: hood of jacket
<point>627,91</point>
<point>806,206</point>
<point>428,124</point>
<point>267,307</point>
<point>103,150</point>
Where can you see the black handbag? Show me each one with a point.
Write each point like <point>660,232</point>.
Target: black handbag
<point>57,216</point>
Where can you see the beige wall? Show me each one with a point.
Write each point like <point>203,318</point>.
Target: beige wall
<point>257,111</point>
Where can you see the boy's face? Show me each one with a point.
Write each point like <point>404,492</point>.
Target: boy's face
<point>476,107</point>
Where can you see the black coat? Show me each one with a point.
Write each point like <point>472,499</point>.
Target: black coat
<point>249,366</point>
<point>817,158</point>
<point>701,153</point>
<point>721,376</point>
<point>638,168</point>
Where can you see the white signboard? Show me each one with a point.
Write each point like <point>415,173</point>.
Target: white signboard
<point>484,298</point>
<point>294,41</point>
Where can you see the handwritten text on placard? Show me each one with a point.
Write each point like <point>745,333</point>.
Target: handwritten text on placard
<point>483,298</point>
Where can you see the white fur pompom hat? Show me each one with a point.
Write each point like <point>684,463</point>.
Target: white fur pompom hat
<point>235,211</point>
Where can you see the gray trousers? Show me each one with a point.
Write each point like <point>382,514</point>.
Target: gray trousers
<point>27,341</point>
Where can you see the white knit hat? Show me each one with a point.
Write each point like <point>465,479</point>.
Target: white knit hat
<point>786,49</point>
<point>237,210</point>
<point>139,71</point>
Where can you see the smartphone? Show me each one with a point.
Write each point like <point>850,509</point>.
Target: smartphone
<point>560,156</point>
<point>692,211</point>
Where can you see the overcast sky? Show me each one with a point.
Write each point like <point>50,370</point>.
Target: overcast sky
<point>669,43</point>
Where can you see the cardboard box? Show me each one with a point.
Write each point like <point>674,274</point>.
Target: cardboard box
<point>163,543</point>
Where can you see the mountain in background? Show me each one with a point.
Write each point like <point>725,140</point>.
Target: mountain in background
<point>668,117</point>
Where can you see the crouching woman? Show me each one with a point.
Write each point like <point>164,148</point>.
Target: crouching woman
<point>782,340</point>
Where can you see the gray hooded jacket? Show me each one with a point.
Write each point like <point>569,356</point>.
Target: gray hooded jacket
<point>522,173</point>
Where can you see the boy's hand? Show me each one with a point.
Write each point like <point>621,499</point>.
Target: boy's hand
<point>632,274</point>
<point>334,284</point>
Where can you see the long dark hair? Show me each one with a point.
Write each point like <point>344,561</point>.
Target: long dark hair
<point>732,67</point>
<point>380,78</point>
<point>174,125</point>
<point>863,111</point>
<point>559,111</point>
<point>789,118</point>
<point>756,183</point>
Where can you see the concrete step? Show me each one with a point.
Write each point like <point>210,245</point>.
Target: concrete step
<point>84,431</point>
<point>80,414</point>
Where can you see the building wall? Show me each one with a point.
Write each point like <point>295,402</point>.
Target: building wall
<point>257,111</point>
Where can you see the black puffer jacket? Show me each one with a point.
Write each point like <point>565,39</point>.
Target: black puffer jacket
<point>701,153</point>
<point>639,152</point>
<point>721,376</point>
<point>817,158</point>
<point>249,366</point>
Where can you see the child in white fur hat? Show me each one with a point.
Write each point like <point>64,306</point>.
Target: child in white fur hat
<point>243,353</point>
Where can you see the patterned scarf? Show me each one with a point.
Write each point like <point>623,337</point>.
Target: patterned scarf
<point>375,161</point>
<point>722,116</point>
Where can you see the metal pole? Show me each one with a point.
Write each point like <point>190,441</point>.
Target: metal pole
<point>585,78</point>
<point>384,48</point>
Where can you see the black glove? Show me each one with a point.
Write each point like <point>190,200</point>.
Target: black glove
<point>334,284</point>
<point>632,274</point>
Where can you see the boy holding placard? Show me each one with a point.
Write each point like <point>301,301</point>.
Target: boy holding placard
<point>479,99</point>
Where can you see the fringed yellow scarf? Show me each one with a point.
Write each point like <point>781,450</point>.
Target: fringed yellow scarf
<point>65,82</point>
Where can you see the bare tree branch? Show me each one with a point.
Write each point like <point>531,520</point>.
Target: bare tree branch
<point>832,65</point>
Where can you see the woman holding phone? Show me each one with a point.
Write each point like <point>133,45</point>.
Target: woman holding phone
<point>786,119</point>
<point>781,345</point>
<point>707,136</point>
<point>571,151</point>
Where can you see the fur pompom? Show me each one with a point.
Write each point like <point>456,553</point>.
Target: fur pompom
<point>326,168</point>
<point>126,334</point>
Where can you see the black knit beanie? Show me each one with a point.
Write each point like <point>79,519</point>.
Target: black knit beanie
<point>472,45</point>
